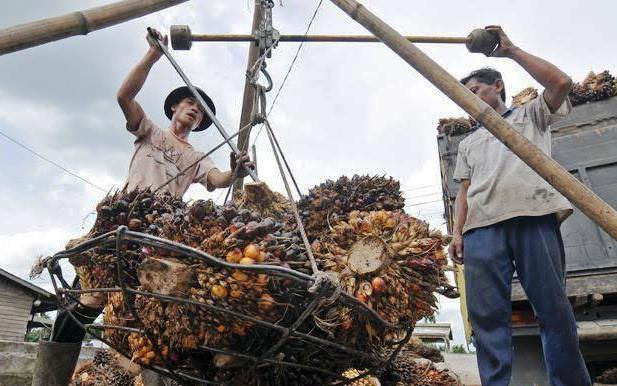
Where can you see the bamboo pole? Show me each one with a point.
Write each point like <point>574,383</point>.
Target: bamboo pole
<point>43,31</point>
<point>249,91</point>
<point>325,38</point>
<point>581,196</point>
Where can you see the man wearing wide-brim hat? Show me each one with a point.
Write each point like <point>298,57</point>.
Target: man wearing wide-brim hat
<point>160,155</point>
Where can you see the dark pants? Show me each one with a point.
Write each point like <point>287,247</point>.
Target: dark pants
<point>65,328</point>
<point>532,246</point>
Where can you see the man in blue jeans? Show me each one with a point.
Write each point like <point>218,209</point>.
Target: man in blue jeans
<point>507,217</point>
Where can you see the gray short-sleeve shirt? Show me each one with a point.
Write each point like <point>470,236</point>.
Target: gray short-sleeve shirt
<point>501,185</point>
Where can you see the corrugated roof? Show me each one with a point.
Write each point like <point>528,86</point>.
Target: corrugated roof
<point>25,284</point>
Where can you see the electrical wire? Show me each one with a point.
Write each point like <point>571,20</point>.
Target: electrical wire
<point>414,196</point>
<point>293,62</point>
<point>423,203</point>
<point>420,188</point>
<point>52,162</point>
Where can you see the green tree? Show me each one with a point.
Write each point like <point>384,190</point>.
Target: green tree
<point>459,349</point>
<point>36,334</point>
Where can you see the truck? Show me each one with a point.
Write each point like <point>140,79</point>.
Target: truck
<point>585,144</point>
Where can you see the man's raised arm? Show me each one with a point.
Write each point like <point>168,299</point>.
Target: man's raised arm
<point>557,84</point>
<point>135,81</point>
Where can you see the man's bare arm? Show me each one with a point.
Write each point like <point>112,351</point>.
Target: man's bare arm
<point>557,84</point>
<point>455,249</point>
<point>133,84</point>
<point>220,179</point>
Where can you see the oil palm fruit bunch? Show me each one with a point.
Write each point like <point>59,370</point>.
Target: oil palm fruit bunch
<point>104,369</point>
<point>139,381</point>
<point>334,200</point>
<point>365,381</point>
<point>271,376</point>
<point>415,348</point>
<point>137,210</point>
<point>257,197</point>
<point>388,260</point>
<point>103,358</point>
<point>410,369</point>
<point>524,97</point>
<point>234,235</point>
<point>455,126</point>
<point>320,366</point>
<point>594,87</point>
<point>117,314</point>
<point>602,85</point>
<point>405,371</point>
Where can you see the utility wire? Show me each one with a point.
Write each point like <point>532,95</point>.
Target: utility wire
<point>432,214</point>
<point>414,196</point>
<point>421,187</point>
<point>422,203</point>
<point>293,62</point>
<point>52,162</point>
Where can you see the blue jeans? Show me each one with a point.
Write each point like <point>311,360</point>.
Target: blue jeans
<point>532,246</point>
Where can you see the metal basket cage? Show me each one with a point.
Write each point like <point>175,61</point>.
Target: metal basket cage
<point>183,375</point>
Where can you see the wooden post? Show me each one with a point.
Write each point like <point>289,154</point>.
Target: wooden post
<point>249,90</point>
<point>43,31</point>
<point>581,196</point>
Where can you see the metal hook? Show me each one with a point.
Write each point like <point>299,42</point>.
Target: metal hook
<point>268,78</point>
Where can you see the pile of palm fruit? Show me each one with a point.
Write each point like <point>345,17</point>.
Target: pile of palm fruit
<point>523,97</point>
<point>414,365</point>
<point>409,372</point>
<point>455,126</point>
<point>137,210</point>
<point>383,257</point>
<point>595,87</point>
<point>104,369</point>
<point>387,262</point>
<point>332,201</point>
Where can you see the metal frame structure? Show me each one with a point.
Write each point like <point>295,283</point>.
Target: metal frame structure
<point>122,235</point>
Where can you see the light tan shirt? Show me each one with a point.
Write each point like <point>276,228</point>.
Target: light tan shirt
<point>159,156</point>
<point>501,185</point>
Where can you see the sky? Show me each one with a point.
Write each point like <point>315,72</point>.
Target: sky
<point>345,108</point>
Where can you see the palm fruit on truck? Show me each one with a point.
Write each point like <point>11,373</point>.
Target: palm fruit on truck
<point>594,87</point>
<point>455,126</point>
<point>524,97</point>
